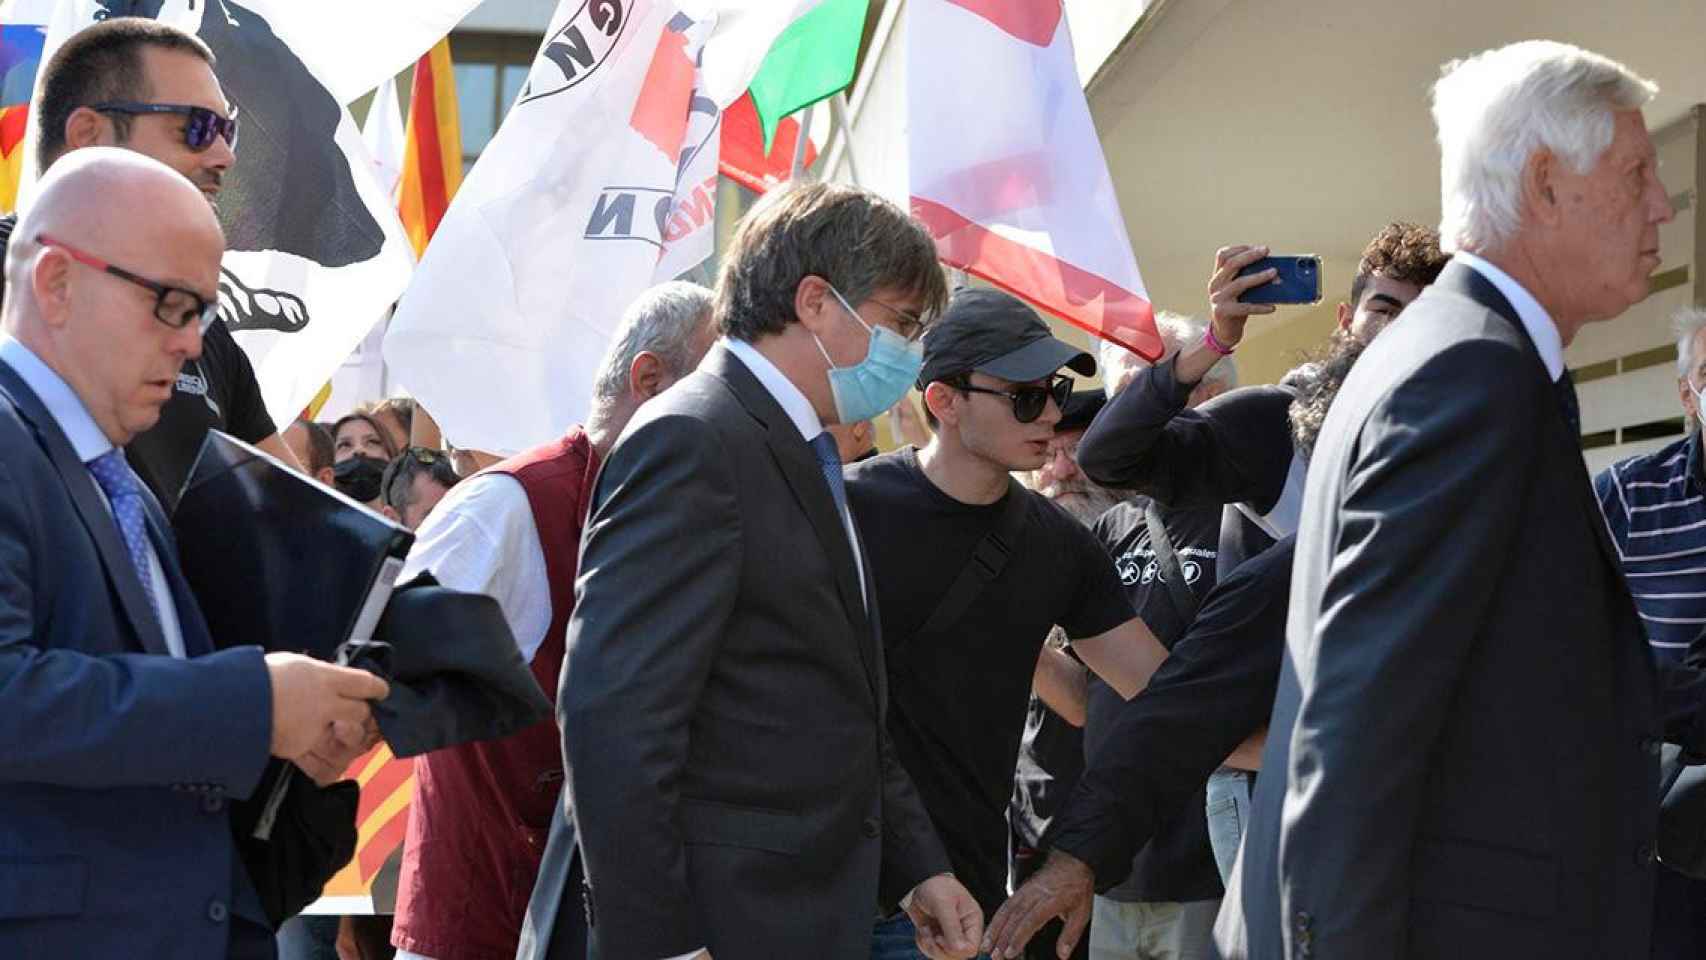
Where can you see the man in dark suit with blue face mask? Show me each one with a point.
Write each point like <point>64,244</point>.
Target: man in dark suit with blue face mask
<point>723,695</point>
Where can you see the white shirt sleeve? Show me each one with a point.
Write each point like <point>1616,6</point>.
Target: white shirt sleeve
<point>481,538</point>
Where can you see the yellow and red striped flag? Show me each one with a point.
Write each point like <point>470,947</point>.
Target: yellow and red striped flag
<point>432,147</point>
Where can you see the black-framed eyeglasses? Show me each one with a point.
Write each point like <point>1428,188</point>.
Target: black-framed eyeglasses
<point>1028,401</point>
<point>201,125</point>
<point>175,307</point>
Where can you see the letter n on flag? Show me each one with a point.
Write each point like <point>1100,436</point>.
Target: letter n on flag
<point>1006,170</point>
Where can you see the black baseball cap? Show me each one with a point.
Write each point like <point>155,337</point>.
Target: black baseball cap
<point>996,333</point>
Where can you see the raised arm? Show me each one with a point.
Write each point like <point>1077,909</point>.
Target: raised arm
<point>1234,449</point>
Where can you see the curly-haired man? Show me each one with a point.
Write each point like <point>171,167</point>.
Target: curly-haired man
<point>1395,266</point>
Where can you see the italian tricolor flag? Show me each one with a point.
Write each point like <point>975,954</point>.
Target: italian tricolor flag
<point>811,58</point>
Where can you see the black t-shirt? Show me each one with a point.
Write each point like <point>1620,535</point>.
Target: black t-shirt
<point>216,392</point>
<point>957,698</point>
<point>1215,689</point>
<point>1051,756</point>
<point>1177,865</point>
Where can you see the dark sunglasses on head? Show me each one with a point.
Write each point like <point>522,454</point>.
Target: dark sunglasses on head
<point>200,129</point>
<point>1028,401</point>
<point>173,306</point>
<point>427,460</point>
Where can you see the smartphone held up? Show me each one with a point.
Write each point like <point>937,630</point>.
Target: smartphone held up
<point>1297,280</point>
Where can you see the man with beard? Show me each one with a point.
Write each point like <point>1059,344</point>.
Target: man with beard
<point>1206,705</point>
<point>145,86</point>
<point>964,622</point>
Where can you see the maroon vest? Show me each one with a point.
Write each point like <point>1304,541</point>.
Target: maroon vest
<point>481,811</point>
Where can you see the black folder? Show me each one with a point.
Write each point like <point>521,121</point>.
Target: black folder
<point>279,560</point>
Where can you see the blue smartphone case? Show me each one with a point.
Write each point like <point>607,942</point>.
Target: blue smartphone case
<point>1298,281</point>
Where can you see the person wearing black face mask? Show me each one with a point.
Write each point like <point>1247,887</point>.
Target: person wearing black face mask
<point>360,451</point>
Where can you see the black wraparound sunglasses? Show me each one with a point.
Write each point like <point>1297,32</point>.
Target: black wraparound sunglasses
<point>200,127</point>
<point>1030,401</point>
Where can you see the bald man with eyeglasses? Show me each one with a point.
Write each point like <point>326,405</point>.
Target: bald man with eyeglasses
<point>148,87</point>
<point>127,734</point>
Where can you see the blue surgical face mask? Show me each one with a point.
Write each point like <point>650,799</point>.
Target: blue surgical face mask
<point>876,383</point>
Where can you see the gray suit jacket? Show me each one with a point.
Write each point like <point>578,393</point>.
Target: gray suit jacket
<point>1462,755</point>
<point>723,696</point>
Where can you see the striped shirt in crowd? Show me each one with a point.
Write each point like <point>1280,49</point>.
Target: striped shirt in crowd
<point>1655,506</point>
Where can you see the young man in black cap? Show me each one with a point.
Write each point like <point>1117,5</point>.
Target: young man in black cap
<point>964,621</point>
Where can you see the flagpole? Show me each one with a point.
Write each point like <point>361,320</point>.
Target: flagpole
<point>838,110</point>
<point>800,144</point>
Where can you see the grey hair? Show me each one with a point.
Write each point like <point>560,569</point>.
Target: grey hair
<point>1686,323</point>
<point>662,321</point>
<point>1177,331</point>
<point>1492,111</point>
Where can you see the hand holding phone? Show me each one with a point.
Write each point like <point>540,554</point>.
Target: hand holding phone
<point>1227,312</point>
<point>1294,280</point>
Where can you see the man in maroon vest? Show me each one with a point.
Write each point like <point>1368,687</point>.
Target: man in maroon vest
<point>481,812</point>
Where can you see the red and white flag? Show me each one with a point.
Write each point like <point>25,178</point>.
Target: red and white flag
<point>1006,170</point>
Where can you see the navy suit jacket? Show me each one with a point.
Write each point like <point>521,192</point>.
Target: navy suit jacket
<point>118,758</point>
<point>1462,759</point>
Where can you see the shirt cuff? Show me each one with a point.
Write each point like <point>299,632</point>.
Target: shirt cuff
<point>693,955</point>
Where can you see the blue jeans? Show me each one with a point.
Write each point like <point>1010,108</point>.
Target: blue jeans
<point>308,938</point>
<point>1228,812</point>
<point>897,939</point>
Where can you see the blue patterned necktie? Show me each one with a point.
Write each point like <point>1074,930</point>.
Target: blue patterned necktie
<point>124,492</point>
<point>829,458</point>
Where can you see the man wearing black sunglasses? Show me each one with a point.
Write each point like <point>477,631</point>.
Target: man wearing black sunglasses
<point>149,87</point>
<point>972,571</point>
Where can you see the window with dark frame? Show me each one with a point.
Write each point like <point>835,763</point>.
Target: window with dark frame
<point>490,71</point>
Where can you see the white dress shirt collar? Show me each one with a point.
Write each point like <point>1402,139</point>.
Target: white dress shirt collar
<point>1534,317</point>
<point>56,395</point>
<point>792,401</point>
<point>79,427</point>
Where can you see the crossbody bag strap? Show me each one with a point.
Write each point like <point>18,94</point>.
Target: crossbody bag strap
<point>988,559</point>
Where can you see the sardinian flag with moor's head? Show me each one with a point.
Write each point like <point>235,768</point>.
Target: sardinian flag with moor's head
<point>315,253</point>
